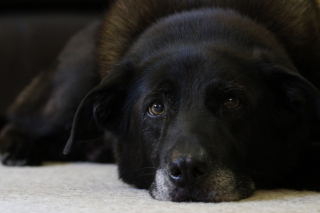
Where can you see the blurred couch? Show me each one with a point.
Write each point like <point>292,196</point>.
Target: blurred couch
<point>32,32</point>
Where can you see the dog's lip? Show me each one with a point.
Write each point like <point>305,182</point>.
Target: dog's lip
<point>194,194</point>
<point>219,186</point>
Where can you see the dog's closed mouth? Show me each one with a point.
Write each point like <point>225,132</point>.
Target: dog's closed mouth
<point>193,195</point>
<point>220,186</point>
<point>199,194</point>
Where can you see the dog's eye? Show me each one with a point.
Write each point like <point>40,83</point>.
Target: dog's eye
<point>156,108</point>
<point>232,103</point>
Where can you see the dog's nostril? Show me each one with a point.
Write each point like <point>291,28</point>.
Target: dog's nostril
<point>200,170</point>
<point>175,172</point>
<point>186,171</point>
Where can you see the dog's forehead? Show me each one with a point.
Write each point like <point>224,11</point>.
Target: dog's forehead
<point>196,70</point>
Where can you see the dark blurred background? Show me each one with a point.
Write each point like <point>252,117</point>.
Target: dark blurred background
<point>32,32</point>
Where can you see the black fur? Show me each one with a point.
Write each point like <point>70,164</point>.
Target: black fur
<point>236,84</point>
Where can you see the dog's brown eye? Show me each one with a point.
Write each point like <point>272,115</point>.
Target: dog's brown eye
<point>232,102</point>
<point>156,108</point>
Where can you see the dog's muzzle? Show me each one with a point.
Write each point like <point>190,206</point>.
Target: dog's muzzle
<point>188,174</point>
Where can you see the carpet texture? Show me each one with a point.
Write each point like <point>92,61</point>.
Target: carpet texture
<point>84,187</point>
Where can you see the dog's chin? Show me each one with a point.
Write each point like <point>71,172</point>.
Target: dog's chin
<point>220,186</point>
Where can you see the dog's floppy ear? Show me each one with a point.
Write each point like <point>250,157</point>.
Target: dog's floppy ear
<point>101,109</point>
<point>299,95</point>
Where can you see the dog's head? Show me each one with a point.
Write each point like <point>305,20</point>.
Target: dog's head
<point>202,123</point>
<point>197,127</point>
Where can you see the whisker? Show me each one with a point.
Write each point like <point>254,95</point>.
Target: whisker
<point>145,168</point>
<point>137,176</point>
<point>147,174</point>
<point>239,77</point>
<point>138,170</point>
<point>226,77</point>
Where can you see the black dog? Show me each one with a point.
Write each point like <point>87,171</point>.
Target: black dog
<point>205,100</point>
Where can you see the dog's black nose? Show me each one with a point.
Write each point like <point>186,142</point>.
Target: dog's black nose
<point>188,170</point>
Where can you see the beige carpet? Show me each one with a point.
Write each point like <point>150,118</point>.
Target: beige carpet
<point>83,187</point>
